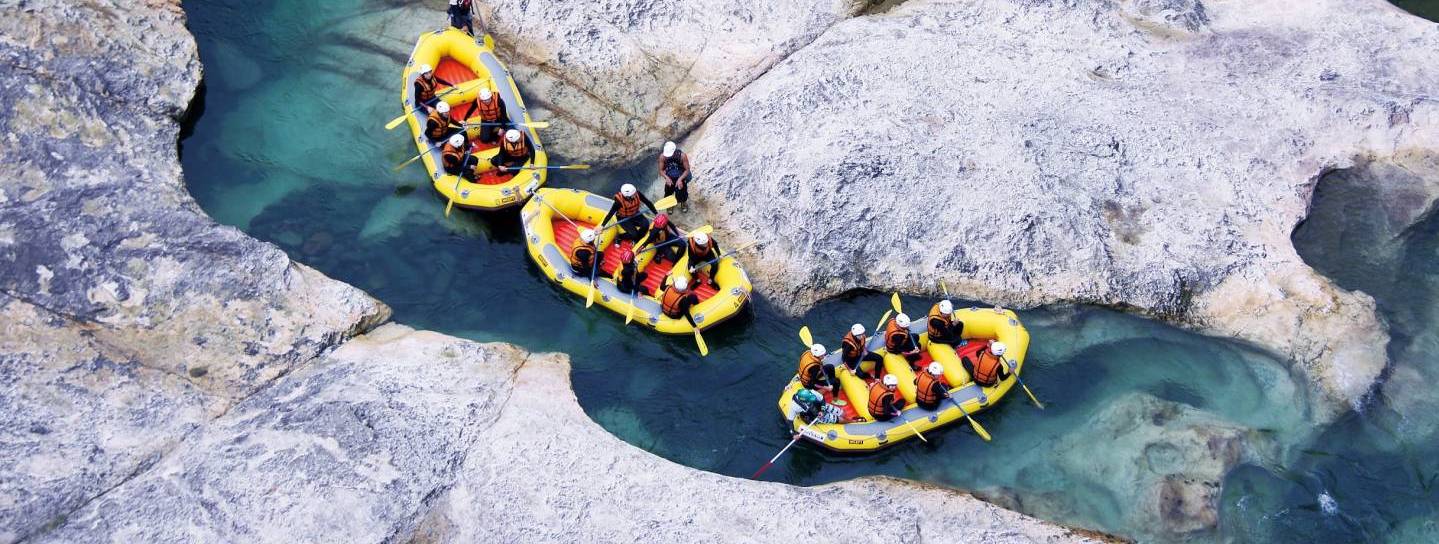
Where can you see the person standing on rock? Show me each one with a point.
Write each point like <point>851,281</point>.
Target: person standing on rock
<point>884,399</point>
<point>426,84</point>
<point>678,300</point>
<point>674,166</point>
<point>943,328</point>
<point>988,367</point>
<point>626,209</point>
<point>854,353</point>
<point>461,17</point>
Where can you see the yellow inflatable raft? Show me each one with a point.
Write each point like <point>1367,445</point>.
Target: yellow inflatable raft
<point>458,59</point>
<point>981,326</point>
<point>551,220</point>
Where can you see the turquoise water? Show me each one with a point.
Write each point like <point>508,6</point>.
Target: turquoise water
<point>289,146</point>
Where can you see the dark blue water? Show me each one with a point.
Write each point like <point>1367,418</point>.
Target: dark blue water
<point>276,154</point>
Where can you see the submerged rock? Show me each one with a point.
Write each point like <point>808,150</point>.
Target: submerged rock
<point>1146,155</point>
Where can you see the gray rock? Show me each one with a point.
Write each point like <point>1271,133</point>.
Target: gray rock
<point>1152,156</point>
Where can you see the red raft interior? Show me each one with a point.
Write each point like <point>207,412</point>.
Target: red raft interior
<point>967,350</point>
<point>565,235</point>
<point>458,74</point>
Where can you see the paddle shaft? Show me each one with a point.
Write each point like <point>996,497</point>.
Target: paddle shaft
<point>721,256</point>
<point>791,444</point>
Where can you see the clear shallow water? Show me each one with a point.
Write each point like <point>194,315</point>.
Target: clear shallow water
<point>276,154</point>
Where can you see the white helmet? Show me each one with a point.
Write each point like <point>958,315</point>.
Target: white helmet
<point>443,107</point>
<point>512,135</point>
<point>424,69</point>
<point>628,190</point>
<point>702,238</point>
<point>669,149</point>
<point>485,94</point>
<point>457,140</point>
<point>817,350</point>
<point>946,307</point>
<point>587,235</point>
<point>890,380</point>
<point>682,283</point>
<point>936,369</point>
<point>454,2</point>
<point>856,329</point>
<point>902,320</point>
<point>997,349</point>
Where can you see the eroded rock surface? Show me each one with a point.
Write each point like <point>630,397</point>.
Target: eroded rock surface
<point>1146,155</point>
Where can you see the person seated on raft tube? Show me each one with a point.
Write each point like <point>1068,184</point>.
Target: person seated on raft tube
<point>494,120</point>
<point>884,399</point>
<point>814,373</point>
<point>438,126</point>
<point>943,327</point>
<point>582,254</point>
<point>515,152</point>
<point>989,368</point>
<point>626,210</point>
<point>929,388</point>
<point>426,85</point>
<point>627,276</point>
<point>460,16</point>
<point>703,252</point>
<point>674,167</point>
<point>677,300</point>
<point>661,232</point>
<point>457,159</point>
<point>854,353</point>
<point>899,341</point>
<point>811,409</point>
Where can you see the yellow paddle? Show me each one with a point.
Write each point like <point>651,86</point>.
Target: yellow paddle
<point>882,320</point>
<point>634,295</point>
<point>894,303</point>
<point>667,203</point>
<point>1032,398</point>
<point>700,341</point>
<point>396,121</point>
<point>805,336</point>
<point>402,165</point>
<point>530,124</point>
<point>916,430</point>
<point>978,429</point>
<point>458,178</point>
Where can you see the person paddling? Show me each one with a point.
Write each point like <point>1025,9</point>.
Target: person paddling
<point>426,85</point>
<point>678,300</point>
<point>854,352</point>
<point>814,373</point>
<point>437,126</point>
<point>456,161</point>
<point>929,387</point>
<point>628,278</point>
<point>942,327</point>
<point>884,399</point>
<point>660,232</point>
<point>628,202</point>
<point>701,250</point>
<point>899,340</point>
<point>987,367</point>
<point>582,254</point>
<point>493,116</point>
<point>674,167</point>
<point>515,151</point>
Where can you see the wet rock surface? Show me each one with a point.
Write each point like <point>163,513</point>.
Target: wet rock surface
<point>1149,156</point>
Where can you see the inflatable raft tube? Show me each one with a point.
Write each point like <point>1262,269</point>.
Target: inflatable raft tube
<point>458,59</point>
<point>550,220</point>
<point>981,326</point>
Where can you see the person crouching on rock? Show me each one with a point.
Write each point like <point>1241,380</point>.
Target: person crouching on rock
<point>460,16</point>
<point>854,353</point>
<point>674,167</point>
<point>582,254</point>
<point>678,300</point>
<point>437,127</point>
<point>884,399</point>
<point>929,388</point>
<point>988,367</point>
<point>626,210</point>
<point>515,152</point>
<point>943,327</point>
<point>628,278</point>
<point>458,161</point>
<point>810,407</point>
<point>494,120</point>
<point>426,85</point>
<point>899,341</point>
<point>814,373</point>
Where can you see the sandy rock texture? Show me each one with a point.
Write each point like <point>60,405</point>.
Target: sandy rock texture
<point>1152,156</point>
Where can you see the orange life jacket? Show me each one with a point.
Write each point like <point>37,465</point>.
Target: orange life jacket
<point>809,369</point>
<point>853,347</point>
<point>452,157</point>
<point>489,110</point>
<point>438,125</point>
<point>880,398</point>
<point>986,369</point>
<point>896,338</point>
<point>577,247</point>
<point>425,87</point>
<point>517,149</point>
<point>926,394</point>
<point>945,320</point>
<point>670,302</point>
<point>700,253</point>
<point>628,206</point>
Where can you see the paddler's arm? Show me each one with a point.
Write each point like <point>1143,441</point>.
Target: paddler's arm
<point>646,201</point>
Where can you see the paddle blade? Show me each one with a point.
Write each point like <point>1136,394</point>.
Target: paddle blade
<point>449,206</point>
<point>805,336</point>
<point>396,121</point>
<point>590,298</point>
<point>537,124</point>
<point>894,303</point>
<point>944,288</point>
<point>667,203</point>
<point>916,431</point>
<point>402,165</point>
<point>761,470</point>
<point>702,230</point>
<point>630,313</point>
<point>573,167</point>
<point>978,429</point>
<point>1037,404</point>
<point>700,341</point>
<point>882,319</point>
